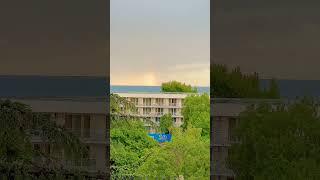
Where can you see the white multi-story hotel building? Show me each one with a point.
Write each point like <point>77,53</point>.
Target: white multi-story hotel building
<point>155,105</point>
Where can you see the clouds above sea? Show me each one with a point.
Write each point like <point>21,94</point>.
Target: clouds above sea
<point>160,40</point>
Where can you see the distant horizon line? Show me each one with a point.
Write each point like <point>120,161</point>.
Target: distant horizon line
<point>151,85</point>
<point>107,77</point>
<point>49,75</point>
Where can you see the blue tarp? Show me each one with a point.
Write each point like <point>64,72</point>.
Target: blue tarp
<point>161,137</point>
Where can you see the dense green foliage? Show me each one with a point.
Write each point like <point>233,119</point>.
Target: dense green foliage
<point>135,154</point>
<point>281,142</point>
<point>166,123</point>
<point>18,124</point>
<point>120,107</point>
<point>235,84</point>
<point>188,155</point>
<point>196,112</point>
<point>175,86</point>
<point>129,141</point>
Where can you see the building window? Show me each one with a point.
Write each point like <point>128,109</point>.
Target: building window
<point>159,102</point>
<point>55,116</point>
<point>146,111</point>
<point>157,119</point>
<point>135,101</point>
<point>77,121</point>
<point>47,148</point>
<point>86,123</point>
<point>159,111</point>
<point>147,101</point>
<point>68,121</point>
<point>173,111</point>
<point>172,102</point>
<point>174,120</point>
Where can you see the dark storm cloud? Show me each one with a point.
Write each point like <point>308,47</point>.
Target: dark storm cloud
<point>54,37</point>
<point>275,38</point>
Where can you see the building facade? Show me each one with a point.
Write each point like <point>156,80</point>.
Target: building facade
<point>155,105</point>
<point>84,117</point>
<point>224,118</point>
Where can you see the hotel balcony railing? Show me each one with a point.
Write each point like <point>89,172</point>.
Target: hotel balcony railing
<point>159,105</point>
<point>91,135</point>
<point>147,114</point>
<point>82,164</point>
<point>173,104</point>
<point>176,114</point>
<point>158,114</point>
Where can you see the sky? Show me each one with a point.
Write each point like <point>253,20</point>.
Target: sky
<point>274,38</point>
<point>54,37</point>
<point>154,41</point>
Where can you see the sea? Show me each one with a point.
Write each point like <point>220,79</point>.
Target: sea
<point>288,88</point>
<point>296,88</point>
<point>147,89</point>
<point>45,86</point>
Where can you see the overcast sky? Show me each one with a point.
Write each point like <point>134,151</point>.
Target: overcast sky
<point>54,37</point>
<point>275,38</point>
<point>153,41</point>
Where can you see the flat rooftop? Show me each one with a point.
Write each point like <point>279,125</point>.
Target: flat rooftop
<point>65,105</point>
<point>155,95</point>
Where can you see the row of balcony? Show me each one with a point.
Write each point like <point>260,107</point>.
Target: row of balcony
<point>87,135</point>
<point>88,165</point>
<point>157,105</point>
<point>156,114</point>
<point>82,165</point>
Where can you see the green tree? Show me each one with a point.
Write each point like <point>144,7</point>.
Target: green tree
<point>166,123</point>
<point>175,86</point>
<point>18,124</point>
<point>129,139</point>
<point>120,107</point>
<point>226,83</point>
<point>280,142</point>
<point>196,112</point>
<point>274,89</point>
<point>187,155</point>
